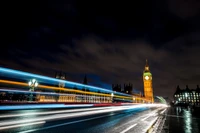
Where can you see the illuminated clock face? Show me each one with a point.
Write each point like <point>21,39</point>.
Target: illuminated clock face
<point>147,77</point>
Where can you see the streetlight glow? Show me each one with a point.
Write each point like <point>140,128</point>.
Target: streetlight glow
<point>32,84</point>
<point>33,80</point>
<point>36,84</point>
<point>29,83</point>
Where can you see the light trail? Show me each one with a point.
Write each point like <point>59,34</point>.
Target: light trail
<point>84,120</point>
<point>62,116</point>
<point>136,120</point>
<point>21,125</point>
<point>45,93</point>
<point>151,114</point>
<point>64,124</point>
<point>33,92</point>
<point>39,106</point>
<point>30,75</point>
<point>53,112</point>
<point>58,88</point>
<point>140,118</point>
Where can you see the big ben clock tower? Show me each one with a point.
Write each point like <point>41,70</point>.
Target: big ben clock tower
<point>147,79</point>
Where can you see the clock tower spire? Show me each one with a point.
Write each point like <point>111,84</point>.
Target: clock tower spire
<point>147,79</point>
<point>146,66</point>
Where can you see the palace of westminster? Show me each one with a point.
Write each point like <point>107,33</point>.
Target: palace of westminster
<point>127,88</point>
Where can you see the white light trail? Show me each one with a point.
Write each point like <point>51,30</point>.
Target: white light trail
<point>21,125</point>
<point>63,124</point>
<point>27,121</point>
<point>62,116</point>
<point>151,114</point>
<point>53,112</point>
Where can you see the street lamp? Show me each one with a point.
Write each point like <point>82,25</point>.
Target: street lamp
<point>112,95</point>
<point>32,84</point>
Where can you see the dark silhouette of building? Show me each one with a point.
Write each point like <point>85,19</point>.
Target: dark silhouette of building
<point>128,88</point>
<point>85,80</point>
<point>187,96</point>
<point>60,75</point>
<point>117,88</point>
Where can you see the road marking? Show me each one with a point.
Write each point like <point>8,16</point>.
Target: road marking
<point>21,125</point>
<point>163,111</point>
<point>128,128</point>
<point>150,124</point>
<point>146,118</point>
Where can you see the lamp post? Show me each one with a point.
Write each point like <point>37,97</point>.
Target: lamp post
<point>112,95</point>
<point>32,84</point>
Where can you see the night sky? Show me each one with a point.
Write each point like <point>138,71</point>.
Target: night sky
<point>108,41</point>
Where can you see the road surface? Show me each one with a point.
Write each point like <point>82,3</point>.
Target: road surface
<point>116,119</point>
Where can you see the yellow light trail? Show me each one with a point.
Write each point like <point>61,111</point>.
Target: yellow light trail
<point>64,89</point>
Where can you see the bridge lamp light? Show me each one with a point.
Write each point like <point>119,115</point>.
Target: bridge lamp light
<point>32,84</point>
<point>29,83</point>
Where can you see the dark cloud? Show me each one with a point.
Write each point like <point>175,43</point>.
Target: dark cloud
<point>108,42</point>
<point>123,62</point>
<point>184,8</point>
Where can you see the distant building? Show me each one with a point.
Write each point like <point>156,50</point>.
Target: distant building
<point>60,75</point>
<point>85,80</point>
<point>128,88</point>
<point>187,96</point>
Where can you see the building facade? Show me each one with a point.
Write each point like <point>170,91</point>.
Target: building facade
<point>187,96</point>
<point>147,80</point>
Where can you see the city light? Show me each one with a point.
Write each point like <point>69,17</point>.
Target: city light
<point>64,89</point>
<point>9,72</point>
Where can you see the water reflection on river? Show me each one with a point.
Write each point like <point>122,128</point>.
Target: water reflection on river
<point>183,120</point>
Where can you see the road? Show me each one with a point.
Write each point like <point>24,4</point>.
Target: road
<point>116,119</point>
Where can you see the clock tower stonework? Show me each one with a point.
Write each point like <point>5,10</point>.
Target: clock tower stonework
<point>148,87</point>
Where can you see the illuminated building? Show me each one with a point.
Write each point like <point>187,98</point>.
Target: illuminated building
<point>16,89</point>
<point>147,79</point>
<point>187,96</point>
